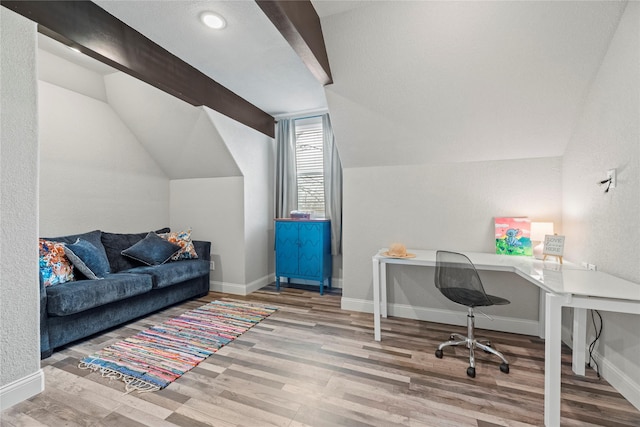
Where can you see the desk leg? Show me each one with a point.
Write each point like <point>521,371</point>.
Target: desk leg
<point>376,299</point>
<point>579,340</point>
<point>552,360</point>
<point>541,313</point>
<point>383,288</point>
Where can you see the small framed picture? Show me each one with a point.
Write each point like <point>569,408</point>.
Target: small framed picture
<point>553,246</point>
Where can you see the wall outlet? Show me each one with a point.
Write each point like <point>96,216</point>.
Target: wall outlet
<point>591,267</point>
<point>212,265</point>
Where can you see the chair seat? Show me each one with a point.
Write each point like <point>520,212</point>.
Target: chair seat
<point>472,298</point>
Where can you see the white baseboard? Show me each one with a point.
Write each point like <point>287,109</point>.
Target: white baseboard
<point>21,389</point>
<point>242,289</point>
<point>335,283</point>
<point>228,288</point>
<point>239,288</point>
<point>459,318</point>
<point>628,388</point>
<point>353,304</point>
<point>618,380</point>
<point>260,283</point>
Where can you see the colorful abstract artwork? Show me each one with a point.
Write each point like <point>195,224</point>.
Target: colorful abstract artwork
<point>513,236</point>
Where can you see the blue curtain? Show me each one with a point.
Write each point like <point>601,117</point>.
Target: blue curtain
<point>332,185</point>
<point>286,182</point>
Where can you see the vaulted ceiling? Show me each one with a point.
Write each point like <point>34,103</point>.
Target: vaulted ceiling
<point>438,81</point>
<point>414,81</point>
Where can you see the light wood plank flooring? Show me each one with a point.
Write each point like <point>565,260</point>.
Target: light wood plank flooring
<point>312,364</point>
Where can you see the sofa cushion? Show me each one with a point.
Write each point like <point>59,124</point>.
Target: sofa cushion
<point>91,261</point>
<point>55,267</point>
<point>152,250</point>
<point>115,243</point>
<point>173,272</point>
<point>74,297</point>
<point>182,239</point>
<point>93,237</point>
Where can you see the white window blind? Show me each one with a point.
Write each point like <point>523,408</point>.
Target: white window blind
<point>309,164</point>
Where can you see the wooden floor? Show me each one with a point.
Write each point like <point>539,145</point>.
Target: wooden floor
<point>312,364</point>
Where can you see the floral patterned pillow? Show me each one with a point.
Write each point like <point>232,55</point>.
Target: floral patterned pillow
<point>182,239</point>
<point>55,267</point>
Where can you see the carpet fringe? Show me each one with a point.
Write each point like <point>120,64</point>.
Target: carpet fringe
<point>131,383</point>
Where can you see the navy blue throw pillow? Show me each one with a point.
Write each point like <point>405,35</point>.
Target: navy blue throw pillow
<point>90,260</point>
<point>152,250</point>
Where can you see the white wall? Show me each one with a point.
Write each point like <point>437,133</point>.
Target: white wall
<point>604,229</point>
<point>94,174</point>
<point>442,206</point>
<point>214,209</point>
<point>234,213</point>
<point>254,154</point>
<point>20,374</point>
<point>60,72</point>
<point>179,136</point>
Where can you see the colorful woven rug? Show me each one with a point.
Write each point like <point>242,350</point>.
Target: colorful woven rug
<point>154,358</point>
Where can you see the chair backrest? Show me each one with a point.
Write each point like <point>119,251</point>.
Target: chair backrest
<point>457,278</point>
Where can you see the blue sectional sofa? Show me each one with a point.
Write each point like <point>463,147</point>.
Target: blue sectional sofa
<point>77,309</point>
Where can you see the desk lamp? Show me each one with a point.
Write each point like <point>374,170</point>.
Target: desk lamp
<point>538,231</point>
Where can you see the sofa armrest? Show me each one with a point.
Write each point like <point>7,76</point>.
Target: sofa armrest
<point>45,346</point>
<point>203,249</point>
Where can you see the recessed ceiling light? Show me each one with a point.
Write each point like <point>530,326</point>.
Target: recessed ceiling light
<point>213,20</point>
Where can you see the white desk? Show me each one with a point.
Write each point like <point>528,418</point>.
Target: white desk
<point>564,285</point>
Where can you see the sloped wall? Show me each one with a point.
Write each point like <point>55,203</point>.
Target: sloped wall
<point>254,154</point>
<point>94,174</point>
<point>61,72</point>
<point>177,135</point>
<point>234,213</point>
<point>603,229</point>
<point>446,81</point>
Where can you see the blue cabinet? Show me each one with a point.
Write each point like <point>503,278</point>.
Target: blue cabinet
<point>303,251</point>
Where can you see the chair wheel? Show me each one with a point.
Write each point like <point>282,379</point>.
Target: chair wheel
<point>471,372</point>
<point>439,354</point>
<point>504,367</point>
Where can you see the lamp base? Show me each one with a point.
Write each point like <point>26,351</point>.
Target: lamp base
<point>537,251</point>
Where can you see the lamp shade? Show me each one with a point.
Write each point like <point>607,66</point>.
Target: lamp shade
<point>540,229</point>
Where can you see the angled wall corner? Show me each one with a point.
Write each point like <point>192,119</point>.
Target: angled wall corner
<point>61,72</point>
<point>254,154</point>
<point>177,135</point>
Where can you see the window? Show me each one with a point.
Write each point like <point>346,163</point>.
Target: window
<point>309,164</point>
